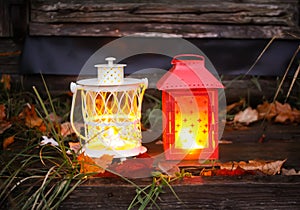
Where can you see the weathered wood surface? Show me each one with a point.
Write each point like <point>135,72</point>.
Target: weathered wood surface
<point>221,19</point>
<point>195,193</point>
<point>5,24</point>
<point>241,192</point>
<point>10,53</point>
<point>13,18</point>
<point>155,29</point>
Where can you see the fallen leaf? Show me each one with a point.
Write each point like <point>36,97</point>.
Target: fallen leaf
<point>247,116</point>
<point>289,172</point>
<point>284,113</point>
<point>296,114</point>
<point>5,79</point>
<point>235,105</point>
<point>104,161</point>
<point>2,112</point>
<point>267,167</point>
<point>227,172</point>
<point>272,167</point>
<point>4,125</point>
<point>66,129</point>
<point>88,165</point>
<point>74,146</point>
<point>266,110</point>
<point>30,116</point>
<point>8,141</point>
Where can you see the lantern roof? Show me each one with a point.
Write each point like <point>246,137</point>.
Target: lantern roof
<point>188,74</point>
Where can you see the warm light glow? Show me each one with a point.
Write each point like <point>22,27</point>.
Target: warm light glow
<point>191,122</point>
<point>113,120</point>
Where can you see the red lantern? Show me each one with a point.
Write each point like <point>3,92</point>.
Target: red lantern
<point>190,107</point>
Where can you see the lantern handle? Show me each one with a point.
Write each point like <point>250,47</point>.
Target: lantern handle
<point>74,89</point>
<point>189,55</point>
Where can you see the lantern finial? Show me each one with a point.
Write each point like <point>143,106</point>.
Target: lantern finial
<point>110,60</point>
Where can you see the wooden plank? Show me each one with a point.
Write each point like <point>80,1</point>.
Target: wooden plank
<point>241,192</point>
<point>5,23</point>
<point>154,29</point>
<point>9,56</point>
<point>178,12</point>
<point>198,194</point>
<point>221,19</point>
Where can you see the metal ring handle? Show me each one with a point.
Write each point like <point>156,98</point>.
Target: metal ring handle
<point>189,55</point>
<point>74,88</point>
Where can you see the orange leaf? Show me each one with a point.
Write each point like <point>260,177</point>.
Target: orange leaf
<point>266,110</point>
<point>31,118</point>
<point>66,129</point>
<point>4,125</point>
<point>5,79</point>
<point>87,164</point>
<point>296,114</point>
<point>93,165</point>
<point>267,167</point>
<point>8,141</point>
<point>285,114</point>
<point>2,112</point>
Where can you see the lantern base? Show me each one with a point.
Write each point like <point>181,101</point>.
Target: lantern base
<point>115,153</point>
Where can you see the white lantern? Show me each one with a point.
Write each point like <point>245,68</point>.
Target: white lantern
<point>111,111</point>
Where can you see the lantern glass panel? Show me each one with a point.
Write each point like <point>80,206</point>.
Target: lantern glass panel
<point>192,121</point>
<point>112,118</point>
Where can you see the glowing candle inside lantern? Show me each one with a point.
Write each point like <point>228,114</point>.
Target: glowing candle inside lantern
<point>191,122</point>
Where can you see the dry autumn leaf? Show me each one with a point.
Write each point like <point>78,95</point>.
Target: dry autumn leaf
<point>88,165</point>
<point>2,112</point>
<point>235,105</point>
<point>247,116</point>
<point>8,141</point>
<point>284,113</point>
<point>5,79</point>
<point>66,129</point>
<point>296,114</point>
<point>266,110</point>
<point>104,161</point>
<point>4,124</point>
<point>289,172</point>
<point>30,116</point>
<point>94,165</point>
<point>267,167</point>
